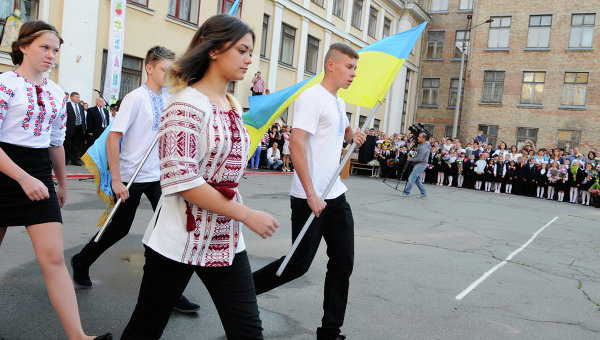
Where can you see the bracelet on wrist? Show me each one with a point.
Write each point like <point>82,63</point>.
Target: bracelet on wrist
<point>22,178</point>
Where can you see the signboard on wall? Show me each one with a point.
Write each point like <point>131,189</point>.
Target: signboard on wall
<point>114,61</point>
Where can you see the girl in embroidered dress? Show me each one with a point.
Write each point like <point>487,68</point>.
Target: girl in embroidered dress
<point>203,148</point>
<point>32,131</point>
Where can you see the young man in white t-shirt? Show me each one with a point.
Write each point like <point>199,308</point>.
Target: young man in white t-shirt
<point>320,128</point>
<point>131,135</point>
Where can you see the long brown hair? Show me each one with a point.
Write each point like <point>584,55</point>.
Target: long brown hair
<point>212,35</point>
<point>30,31</point>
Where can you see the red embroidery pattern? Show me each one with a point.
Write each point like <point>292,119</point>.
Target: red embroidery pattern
<point>3,104</point>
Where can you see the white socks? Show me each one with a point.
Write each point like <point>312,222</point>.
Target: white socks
<point>461,180</point>
<point>550,192</point>
<point>573,195</point>
<point>478,185</point>
<point>561,195</point>
<point>508,188</point>
<point>450,178</point>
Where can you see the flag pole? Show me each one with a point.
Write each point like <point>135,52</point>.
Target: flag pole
<point>325,193</point>
<point>114,210</point>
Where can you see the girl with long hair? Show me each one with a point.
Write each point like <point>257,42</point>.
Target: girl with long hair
<point>32,132</point>
<point>203,150</point>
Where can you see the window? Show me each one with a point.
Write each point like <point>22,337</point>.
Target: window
<point>568,139</point>
<point>429,128</point>
<point>489,133</point>
<point>430,90</point>
<point>499,32</point>
<point>318,2</point>
<point>465,5</point>
<point>449,131</point>
<point>387,27</point>
<point>376,124</point>
<point>454,91</point>
<point>186,10</point>
<point>312,55</point>
<point>461,36</point>
<point>226,7</point>
<point>525,134</point>
<point>288,39</point>
<point>264,40</point>
<point>539,31</point>
<point>493,87</point>
<point>338,8</point>
<point>435,45</point>
<point>139,2</point>
<point>357,13</point>
<point>575,88</point>
<point>372,29</point>
<point>439,6</point>
<point>131,73</point>
<point>582,30</point>
<point>533,87</point>
<point>28,8</point>
<point>361,121</point>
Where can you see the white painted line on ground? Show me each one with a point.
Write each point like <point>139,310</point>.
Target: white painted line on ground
<point>499,265</point>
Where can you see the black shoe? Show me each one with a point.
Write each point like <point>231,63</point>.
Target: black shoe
<point>81,275</point>
<point>106,336</point>
<point>184,305</point>
<point>341,337</point>
<point>77,162</point>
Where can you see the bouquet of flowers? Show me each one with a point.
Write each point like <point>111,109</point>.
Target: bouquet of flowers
<point>391,162</point>
<point>446,158</point>
<point>588,178</point>
<point>429,166</point>
<point>595,192</point>
<point>562,174</point>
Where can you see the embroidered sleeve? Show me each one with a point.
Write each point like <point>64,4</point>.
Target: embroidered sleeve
<point>5,94</point>
<point>181,147</point>
<point>59,121</point>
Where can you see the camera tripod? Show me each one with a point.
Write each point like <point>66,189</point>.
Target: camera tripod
<point>401,174</point>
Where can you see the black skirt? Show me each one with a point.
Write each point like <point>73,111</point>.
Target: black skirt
<point>16,209</point>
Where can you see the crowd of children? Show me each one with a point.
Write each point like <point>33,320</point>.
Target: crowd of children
<point>552,174</point>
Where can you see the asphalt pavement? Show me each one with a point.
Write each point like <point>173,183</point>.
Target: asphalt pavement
<point>413,257</point>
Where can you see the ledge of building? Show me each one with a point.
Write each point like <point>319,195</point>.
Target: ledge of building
<point>287,67</point>
<point>464,11</point>
<point>425,106</point>
<point>452,107</point>
<point>5,59</point>
<point>537,49</point>
<point>458,60</point>
<point>140,8</point>
<point>438,12</point>
<point>531,106</point>
<point>572,107</point>
<point>491,104</point>
<point>579,49</point>
<point>499,49</point>
<point>434,59</point>
<point>181,22</point>
<point>265,59</point>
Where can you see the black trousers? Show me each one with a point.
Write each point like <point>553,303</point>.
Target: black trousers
<point>336,226</point>
<point>121,222</point>
<point>73,144</point>
<point>231,289</point>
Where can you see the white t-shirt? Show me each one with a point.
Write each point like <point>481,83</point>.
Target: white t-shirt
<point>323,116</point>
<point>139,124</point>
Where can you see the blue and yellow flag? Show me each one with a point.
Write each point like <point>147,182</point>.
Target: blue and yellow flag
<point>96,161</point>
<point>378,65</point>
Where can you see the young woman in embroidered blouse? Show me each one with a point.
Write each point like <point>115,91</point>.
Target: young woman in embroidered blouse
<point>203,150</point>
<point>32,131</point>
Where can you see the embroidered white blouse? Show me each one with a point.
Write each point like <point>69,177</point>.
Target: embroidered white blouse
<point>23,121</point>
<point>198,145</point>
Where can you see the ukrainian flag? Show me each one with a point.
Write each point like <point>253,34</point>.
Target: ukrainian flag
<point>377,67</point>
<point>96,161</point>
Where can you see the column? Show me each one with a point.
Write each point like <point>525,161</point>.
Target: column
<point>365,23</point>
<point>326,44</point>
<point>302,52</point>
<point>349,15</point>
<point>44,10</point>
<point>275,44</point>
<point>329,9</point>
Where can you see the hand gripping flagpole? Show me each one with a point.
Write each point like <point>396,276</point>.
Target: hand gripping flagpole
<point>325,193</point>
<point>114,209</point>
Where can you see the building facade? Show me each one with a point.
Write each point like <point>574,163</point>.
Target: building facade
<point>292,37</point>
<point>532,73</point>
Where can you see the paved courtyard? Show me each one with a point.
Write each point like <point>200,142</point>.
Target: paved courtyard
<point>413,258</point>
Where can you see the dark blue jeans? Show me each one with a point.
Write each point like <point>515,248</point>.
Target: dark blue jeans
<point>336,226</point>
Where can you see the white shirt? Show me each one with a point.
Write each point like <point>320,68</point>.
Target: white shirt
<point>480,165</point>
<point>139,124</point>
<point>270,154</point>
<point>323,116</point>
<point>22,121</point>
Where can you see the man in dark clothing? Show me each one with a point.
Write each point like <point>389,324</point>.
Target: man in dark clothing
<point>76,127</point>
<point>366,153</point>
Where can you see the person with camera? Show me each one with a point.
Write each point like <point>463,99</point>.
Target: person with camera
<point>419,164</point>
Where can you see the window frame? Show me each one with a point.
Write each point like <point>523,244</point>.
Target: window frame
<point>583,26</point>
<point>469,5</point>
<point>315,48</point>
<point>358,17</point>
<point>124,70</point>
<point>387,26</point>
<point>430,88</point>
<point>533,83</point>
<point>499,29</point>
<point>494,87</point>
<point>372,23</point>
<point>316,2</point>
<point>339,6</point>
<point>454,90</point>
<point>570,140</point>
<point>441,6</point>
<point>238,13</point>
<point>466,38</point>
<point>176,15</point>
<point>435,45</point>
<point>539,28</point>
<point>136,3</point>
<point>18,4</point>
<point>264,39</point>
<point>575,85</point>
<point>283,35</point>
<point>486,135</point>
<point>520,140</point>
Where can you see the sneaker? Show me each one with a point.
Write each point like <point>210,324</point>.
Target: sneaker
<point>404,195</point>
<point>184,305</point>
<point>81,273</point>
<point>422,196</point>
